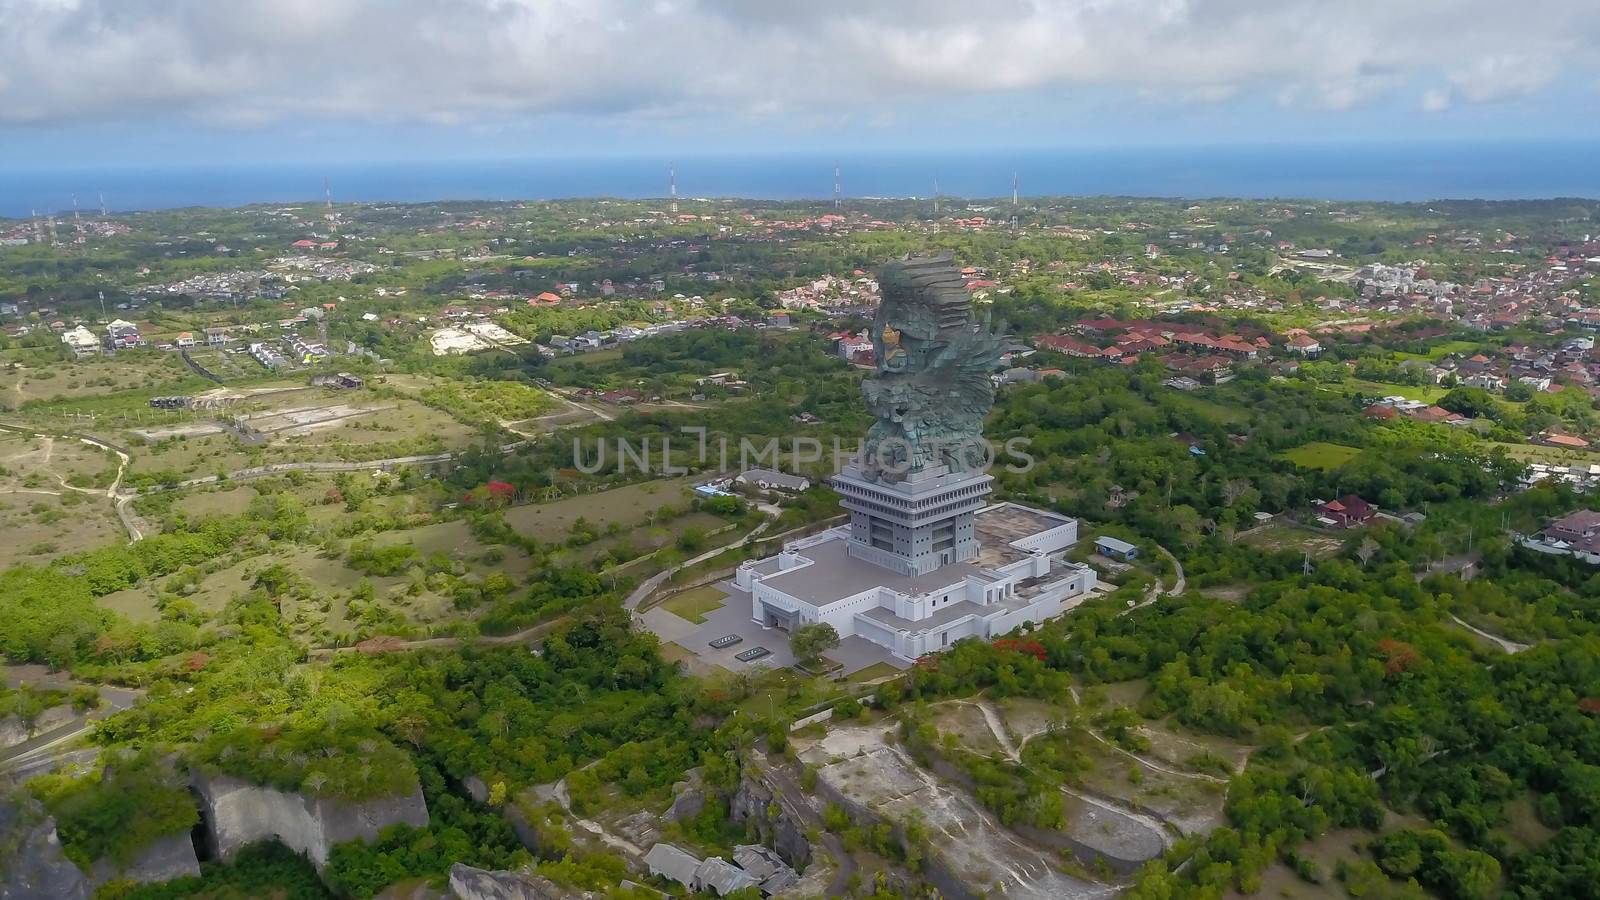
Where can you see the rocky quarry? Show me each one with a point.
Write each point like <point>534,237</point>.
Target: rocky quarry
<point>237,813</point>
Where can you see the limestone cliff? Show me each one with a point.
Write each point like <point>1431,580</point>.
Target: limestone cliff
<point>161,860</point>
<point>468,883</point>
<point>32,864</point>
<point>776,817</point>
<point>237,813</point>
<point>13,730</point>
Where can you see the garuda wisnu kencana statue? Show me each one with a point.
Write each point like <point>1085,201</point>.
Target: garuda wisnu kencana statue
<point>933,387</point>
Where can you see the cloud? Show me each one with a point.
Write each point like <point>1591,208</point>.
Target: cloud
<point>1434,100</point>
<point>1502,76</point>
<point>254,62</point>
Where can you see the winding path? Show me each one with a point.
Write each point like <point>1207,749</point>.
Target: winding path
<point>1505,644</point>
<point>532,636</point>
<point>1157,591</point>
<point>998,729</point>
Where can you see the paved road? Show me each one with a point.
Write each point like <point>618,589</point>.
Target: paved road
<point>56,740</point>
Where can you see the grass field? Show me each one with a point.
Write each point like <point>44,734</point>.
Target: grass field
<point>875,671</point>
<point>89,377</point>
<point>627,506</point>
<point>40,526</point>
<point>1221,412</point>
<point>1553,455</point>
<point>693,604</point>
<point>1440,351</point>
<point>299,427</point>
<point>499,401</point>
<point>224,502</point>
<point>1321,455</point>
<point>587,359</point>
<point>49,461</point>
<point>1428,393</point>
<point>1295,538</point>
<point>455,540</point>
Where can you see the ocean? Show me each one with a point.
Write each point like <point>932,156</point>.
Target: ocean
<point>1391,171</point>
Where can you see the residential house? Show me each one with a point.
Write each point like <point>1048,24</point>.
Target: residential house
<point>1580,529</point>
<point>1553,438</point>
<point>771,480</point>
<point>1488,381</point>
<point>1067,345</point>
<point>124,335</point>
<point>267,356</point>
<point>1303,345</point>
<point>1434,415</point>
<point>1346,512</point>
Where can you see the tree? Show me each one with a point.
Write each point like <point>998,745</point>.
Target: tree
<point>809,642</point>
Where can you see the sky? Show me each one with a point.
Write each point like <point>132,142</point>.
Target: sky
<point>142,82</point>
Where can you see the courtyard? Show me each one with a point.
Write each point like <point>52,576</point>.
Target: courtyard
<point>731,616</point>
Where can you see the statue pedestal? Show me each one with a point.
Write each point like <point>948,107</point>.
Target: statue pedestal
<point>913,527</point>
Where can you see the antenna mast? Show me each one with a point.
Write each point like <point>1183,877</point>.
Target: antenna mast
<point>672,188</point>
<point>838,196</point>
<point>936,195</point>
<point>1014,201</point>
<point>103,213</point>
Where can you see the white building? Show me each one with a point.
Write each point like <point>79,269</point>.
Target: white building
<point>268,357</point>
<point>850,346</point>
<point>1018,575</point>
<point>772,480</point>
<point>81,341</point>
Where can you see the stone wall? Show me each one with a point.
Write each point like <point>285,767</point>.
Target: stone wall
<point>237,813</point>
<point>164,859</point>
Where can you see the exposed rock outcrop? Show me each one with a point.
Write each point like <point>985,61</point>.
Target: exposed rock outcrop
<point>162,860</point>
<point>14,731</point>
<point>237,813</point>
<point>468,883</point>
<point>773,815</point>
<point>688,798</point>
<point>32,864</point>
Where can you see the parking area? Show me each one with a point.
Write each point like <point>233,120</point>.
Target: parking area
<point>732,617</point>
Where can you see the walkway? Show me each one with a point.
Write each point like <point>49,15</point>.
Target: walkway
<point>1157,591</point>
<point>648,586</point>
<point>1505,644</point>
<point>531,636</point>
